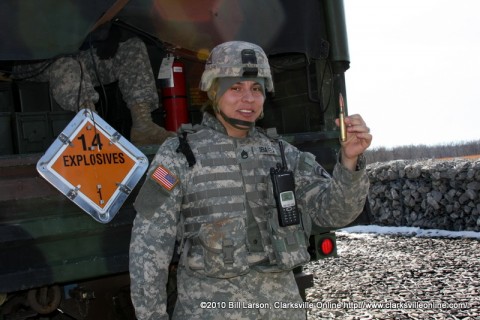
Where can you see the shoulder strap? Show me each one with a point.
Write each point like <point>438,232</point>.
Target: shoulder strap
<point>184,147</point>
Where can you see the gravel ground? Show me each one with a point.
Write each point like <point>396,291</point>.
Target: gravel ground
<point>410,277</point>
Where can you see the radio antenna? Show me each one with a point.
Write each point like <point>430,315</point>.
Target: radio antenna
<point>282,154</point>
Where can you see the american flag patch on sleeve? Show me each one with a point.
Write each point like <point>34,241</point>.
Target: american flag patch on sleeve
<point>165,178</point>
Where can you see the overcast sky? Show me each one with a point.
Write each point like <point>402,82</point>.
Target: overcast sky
<point>415,69</point>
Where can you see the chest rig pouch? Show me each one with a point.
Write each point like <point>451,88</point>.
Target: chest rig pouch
<point>288,229</point>
<point>221,251</point>
<point>289,243</point>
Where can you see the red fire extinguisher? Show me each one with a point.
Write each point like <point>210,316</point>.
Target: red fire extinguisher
<point>174,98</point>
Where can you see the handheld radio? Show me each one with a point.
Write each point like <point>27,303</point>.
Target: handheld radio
<point>284,192</point>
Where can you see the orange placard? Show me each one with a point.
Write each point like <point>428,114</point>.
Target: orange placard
<point>93,164</point>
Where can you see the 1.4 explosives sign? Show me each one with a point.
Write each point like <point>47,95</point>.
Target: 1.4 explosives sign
<point>93,165</point>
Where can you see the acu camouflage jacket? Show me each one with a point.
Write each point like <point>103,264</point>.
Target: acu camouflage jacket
<point>222,209</point>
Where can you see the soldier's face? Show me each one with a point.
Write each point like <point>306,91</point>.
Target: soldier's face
<point>243,101</point>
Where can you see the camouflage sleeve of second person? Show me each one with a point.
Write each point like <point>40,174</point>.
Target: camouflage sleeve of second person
<point>331,201</point>
<point>154,233</point>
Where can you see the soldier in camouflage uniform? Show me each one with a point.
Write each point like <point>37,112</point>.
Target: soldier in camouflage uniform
<point>236,261</point>
<point>129,65</point>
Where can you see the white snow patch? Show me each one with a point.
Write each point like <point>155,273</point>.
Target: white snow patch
<point>410,231</point>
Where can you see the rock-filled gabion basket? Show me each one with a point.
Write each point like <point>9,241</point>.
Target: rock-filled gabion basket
<point>435,194</point>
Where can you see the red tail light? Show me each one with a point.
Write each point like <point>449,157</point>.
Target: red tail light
<point>326,246</point>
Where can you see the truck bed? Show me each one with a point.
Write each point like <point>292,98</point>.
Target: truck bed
<point>46,239</point>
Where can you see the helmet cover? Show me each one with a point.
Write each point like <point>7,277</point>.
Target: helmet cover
<point>236,59</point>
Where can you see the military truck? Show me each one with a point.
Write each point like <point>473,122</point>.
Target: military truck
<point>56,262</point>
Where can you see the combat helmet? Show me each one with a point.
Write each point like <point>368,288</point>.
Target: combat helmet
<point>236,59</point>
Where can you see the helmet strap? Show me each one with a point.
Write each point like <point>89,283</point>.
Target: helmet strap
<point>237,124</point>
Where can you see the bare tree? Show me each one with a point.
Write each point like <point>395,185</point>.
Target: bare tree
<point>414,152</point>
